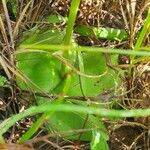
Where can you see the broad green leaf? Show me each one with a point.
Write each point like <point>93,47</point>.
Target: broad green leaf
<point>55,19</point>
<point>45,71</point>
<point>102,33</point>
<point>63,121</point>
<point>48,36</point>
<point>98,142</point>
<point>41,69</point>
<point>94,64</point>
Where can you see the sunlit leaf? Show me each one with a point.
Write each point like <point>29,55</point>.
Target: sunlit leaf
<point>98,142</point>
<point>102,33</point>
<point>63,121</point>
<point>55,19</point>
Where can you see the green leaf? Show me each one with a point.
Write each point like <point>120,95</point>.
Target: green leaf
<point>55,19</point>
<point>41,69</point>
<point>98,142</point>
<point>89,63</point>
<point>2,80</point>
<point>47,36</point>
<point>64,121</point>
<point>44,70</point>
<point>94,64</point>
<point>103,33</point>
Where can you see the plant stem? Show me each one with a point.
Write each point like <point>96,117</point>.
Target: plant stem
<point>5,125</point>
<point>71,21</point>
<point>52,48</point>
<point>143,33</point>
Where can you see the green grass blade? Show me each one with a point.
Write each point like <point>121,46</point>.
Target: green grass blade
<point>71,21</point>
<point>52,48</point>
<point>145,48</point>
<point>143,33</point>
<point>5,125</point>
<point>34,128</point>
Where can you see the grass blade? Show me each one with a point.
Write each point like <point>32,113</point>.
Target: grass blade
<point>5,125</point>
<point>143,33</point>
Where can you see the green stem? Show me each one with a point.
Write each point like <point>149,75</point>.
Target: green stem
<point>5,125</point>
<point>71,21</point>
<point>69,30</point>
<point>52,48</point>
<point>143,33</point>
